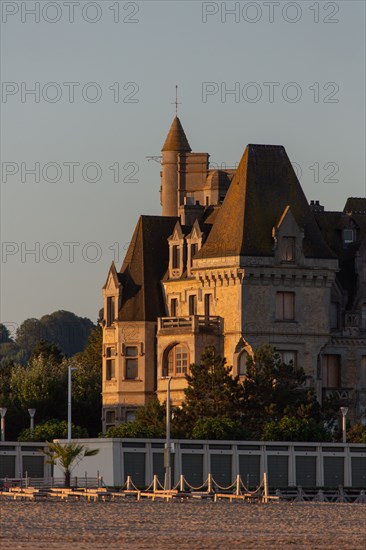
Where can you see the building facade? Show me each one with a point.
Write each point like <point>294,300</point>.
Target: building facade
<point>239,258</point>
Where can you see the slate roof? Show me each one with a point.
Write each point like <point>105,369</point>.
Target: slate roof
<point>355,204</point>
<point>264,184</point>
<point>143,268</point>
<point>176,139</point>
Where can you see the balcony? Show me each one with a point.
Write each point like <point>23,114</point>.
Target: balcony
<point>191,323</point>
<point>344,395</point>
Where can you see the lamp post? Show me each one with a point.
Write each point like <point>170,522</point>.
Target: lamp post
<point>3,413</point>
<point>344,411</point>
<point>71,369</point>
<point>32,412</point>
<point>168,471</point>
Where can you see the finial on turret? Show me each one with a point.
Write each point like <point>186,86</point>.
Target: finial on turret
<point>176,102</point>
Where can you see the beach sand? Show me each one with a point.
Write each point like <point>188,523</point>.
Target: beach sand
<point>180,525</point>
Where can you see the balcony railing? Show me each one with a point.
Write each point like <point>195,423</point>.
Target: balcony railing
<point>343,394</point>
<point>192,323</point>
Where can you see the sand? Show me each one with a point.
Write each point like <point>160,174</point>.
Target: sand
<point>180,525</point>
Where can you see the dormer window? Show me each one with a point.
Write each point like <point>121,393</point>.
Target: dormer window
<point>175,257</point>
<point>348,236</point>
<point>194,243</point>
<point>288,249</point>
<point>110,311</point>
<point>176,253</point>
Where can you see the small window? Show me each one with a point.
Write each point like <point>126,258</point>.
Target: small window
<point>288,357</point>
<point>131,362</point>
<point>110,417</point>
<point>288,249</point>
<point>110,310</point>
<point>208,299</point>
<point>242,363</point>
<point>285,306</point>
<point>363,317</point>
<point>110,363</point>
<point>177,361</point>
<point>348,236</point>
<point>173,307</point>
<point>130,416</point>
<point>194,250</point>
<point>334,315</point>
<point>363,372</point>
<point>175,257</point>
<point>192,304</point>
<point>331,375</point>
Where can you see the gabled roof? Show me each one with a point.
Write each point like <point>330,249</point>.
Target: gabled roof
<point>264,184</point>
<point>355,205</point>
<point>115,276</point>
<point>143,268</point>
<point>176,139</point>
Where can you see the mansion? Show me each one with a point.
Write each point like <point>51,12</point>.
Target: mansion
<point>238,258</point>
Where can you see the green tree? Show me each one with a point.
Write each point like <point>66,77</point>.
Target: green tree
<point>356,434</point>
<point>87,384</point>
<point>291,428</point>
<point>219,428</point>
<point>67,455</point>
<point>212,392</point>
<point>52,429</point>
<point>42,384</point>
<point>150,422</point>
<point>273,389</point>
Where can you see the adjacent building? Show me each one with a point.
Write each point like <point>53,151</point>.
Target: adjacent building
<point>237,259</point>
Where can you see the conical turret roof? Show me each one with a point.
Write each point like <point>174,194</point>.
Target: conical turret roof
<point>176,139</point>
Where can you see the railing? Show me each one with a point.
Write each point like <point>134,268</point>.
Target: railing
<point>343,394</point>
<point>191,322</point>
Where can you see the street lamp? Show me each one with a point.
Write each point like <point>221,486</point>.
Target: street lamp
<point>32,412</point>
<point>168,471</point>
<point>71,369</point>
<point>3,413</point>
<point>344,411</point>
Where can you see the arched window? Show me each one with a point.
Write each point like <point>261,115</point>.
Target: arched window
<point>242,363</point>
<point>176,361</point>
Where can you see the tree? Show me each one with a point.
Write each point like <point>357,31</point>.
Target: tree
<point>291,428</point>
<point>67,454</point>
<point>41,384</point>
<point>52,429</point>
<point>357,434</point>
<point>87,384</point>
<point>219,428</point>
<point>150,422</point>
<point>62,328</point>
<point>212,392</point>
<point>273,389</point>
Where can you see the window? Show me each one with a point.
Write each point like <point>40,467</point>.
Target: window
<point>110,363</point>
<point>363,372</point>
<point>288,249</point>
<point>175,257</point>
<point>131,362</point>
<point>178,361</point>
<point>173,307</point>
<point>288,357</point>
<point>285,306</point>
<point>242,363</point>
<point>194,249</point>
<point>192,303</point>
<point>208,299</point>
<point>363,317</point>
<point>110,310</point>
<point>334,315</point>
<point>331,374</point>
<point>130,416</point>
<point>348,236</point>
<point>110,417</point>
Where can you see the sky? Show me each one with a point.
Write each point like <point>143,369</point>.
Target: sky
<point>88,91</point>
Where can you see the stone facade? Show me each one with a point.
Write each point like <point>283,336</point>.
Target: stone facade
<point>238,259</point>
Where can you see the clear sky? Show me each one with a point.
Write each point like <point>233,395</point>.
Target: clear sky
<point>104,86</point>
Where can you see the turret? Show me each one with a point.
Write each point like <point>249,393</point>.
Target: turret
<point>175,143</point>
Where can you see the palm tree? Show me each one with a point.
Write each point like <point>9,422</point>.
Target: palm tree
<point>67,454</point>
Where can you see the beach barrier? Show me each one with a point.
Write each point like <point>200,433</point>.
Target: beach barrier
<point>27,489</point>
